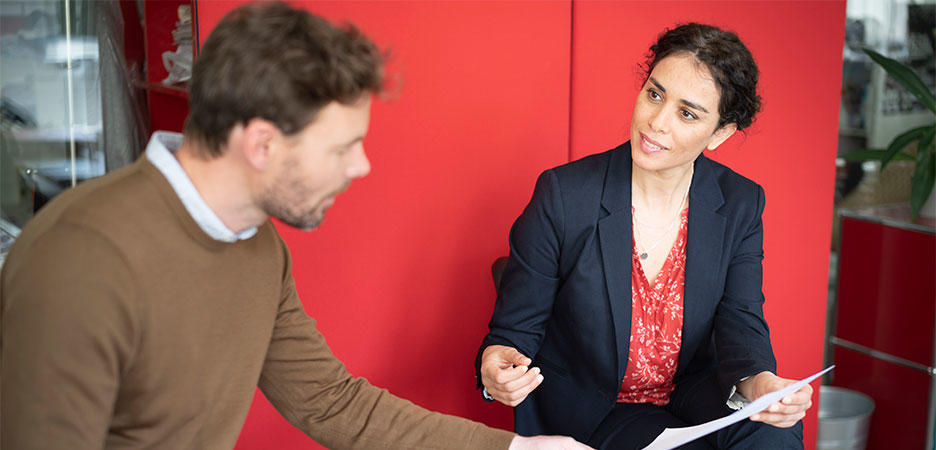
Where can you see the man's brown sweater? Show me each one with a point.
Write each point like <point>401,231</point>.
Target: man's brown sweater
<point>125,326</point>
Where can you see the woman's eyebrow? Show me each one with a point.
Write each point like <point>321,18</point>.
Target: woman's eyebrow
<point>688,103</point>
<point>693,105</point>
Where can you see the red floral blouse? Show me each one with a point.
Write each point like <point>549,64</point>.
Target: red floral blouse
<point>656,326</point>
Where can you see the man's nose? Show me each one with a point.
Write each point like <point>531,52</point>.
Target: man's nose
<point>359,165</point>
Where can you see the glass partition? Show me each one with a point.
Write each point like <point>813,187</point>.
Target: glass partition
<point>61,72</point>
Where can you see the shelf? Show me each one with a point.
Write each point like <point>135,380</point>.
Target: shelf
<point>853,132</point>
<point>175,90</point>
<point>167,104</point>
<point>896,216</point>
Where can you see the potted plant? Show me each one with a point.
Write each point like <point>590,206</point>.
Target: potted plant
<point>924,173</point>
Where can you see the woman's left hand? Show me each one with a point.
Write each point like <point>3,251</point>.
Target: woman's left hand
<point>788,410</point>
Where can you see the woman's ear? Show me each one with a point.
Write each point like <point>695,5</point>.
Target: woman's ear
<point>721,135</point>
<point>258,138</point>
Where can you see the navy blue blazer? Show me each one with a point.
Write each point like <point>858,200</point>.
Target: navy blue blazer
<point>565,295</point>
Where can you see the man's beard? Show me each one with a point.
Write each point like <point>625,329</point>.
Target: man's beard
<point>306,222</point>
<point>279,201</point>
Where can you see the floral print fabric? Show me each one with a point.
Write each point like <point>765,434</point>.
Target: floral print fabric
<point>656,326</point>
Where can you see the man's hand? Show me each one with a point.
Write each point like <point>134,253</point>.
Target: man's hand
<point>788,410</point>
<point>546,443</point>
<point>507,375</point>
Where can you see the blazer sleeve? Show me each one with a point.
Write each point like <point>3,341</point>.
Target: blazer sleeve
<point>531,277</point>
<point>742,338</point>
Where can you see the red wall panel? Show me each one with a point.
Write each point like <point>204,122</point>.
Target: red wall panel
<point>398,276</point>
<point>790,150</point>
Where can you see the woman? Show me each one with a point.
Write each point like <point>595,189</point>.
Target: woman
<point>634,280</point>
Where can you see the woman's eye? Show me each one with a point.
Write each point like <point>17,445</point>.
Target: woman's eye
<point>654,95</point>
<point>688,115</point>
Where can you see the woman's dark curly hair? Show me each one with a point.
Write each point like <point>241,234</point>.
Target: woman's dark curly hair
<point>726,57</point>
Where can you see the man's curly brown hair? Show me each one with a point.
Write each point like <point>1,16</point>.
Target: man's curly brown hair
<point>275,62</point>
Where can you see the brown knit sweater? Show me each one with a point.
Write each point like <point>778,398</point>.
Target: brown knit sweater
<point>125,326</point>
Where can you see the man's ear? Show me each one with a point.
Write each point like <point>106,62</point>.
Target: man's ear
<point>258,139</point>
<point>721,135</point>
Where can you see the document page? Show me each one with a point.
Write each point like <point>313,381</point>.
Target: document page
<point>674,437</point>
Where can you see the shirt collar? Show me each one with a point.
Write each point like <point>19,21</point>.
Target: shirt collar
<point>159,152</point>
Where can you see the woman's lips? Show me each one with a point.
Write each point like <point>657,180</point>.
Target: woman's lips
<point>650,146</point>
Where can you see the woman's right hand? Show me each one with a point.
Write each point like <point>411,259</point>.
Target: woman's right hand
<point>506,374</point>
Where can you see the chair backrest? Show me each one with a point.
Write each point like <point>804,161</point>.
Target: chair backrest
<point>497,270</point>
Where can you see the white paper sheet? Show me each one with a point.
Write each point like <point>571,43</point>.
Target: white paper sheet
<point>674,437</point>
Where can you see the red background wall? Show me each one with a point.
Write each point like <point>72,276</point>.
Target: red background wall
<point>398,276</point>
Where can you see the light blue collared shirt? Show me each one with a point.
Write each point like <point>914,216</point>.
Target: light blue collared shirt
<point>159,152</point>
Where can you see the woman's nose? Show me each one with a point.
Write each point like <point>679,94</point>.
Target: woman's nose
<point>658,121</point>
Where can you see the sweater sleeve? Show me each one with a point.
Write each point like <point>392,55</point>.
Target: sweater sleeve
<point>315,393</point>
<point>69,330</point>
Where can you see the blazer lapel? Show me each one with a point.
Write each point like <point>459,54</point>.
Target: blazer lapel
<point>615,238</point>
<point>704,247</point>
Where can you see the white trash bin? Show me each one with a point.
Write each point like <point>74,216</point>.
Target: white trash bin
<point>844,418</point>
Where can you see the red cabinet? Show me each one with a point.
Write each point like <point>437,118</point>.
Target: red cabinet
<point>884,335</point>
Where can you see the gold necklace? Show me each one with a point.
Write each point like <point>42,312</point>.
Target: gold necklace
<point>645,253</point>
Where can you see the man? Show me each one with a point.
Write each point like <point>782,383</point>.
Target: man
<point>141,309</point>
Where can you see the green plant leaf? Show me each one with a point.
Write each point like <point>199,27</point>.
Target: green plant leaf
<point>924,175</point>
<point>901,141</point>
<point>925,144</point>
<point>874,154</point>
<point>906,77</point>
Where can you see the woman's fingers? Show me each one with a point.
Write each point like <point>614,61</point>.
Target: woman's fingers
<point>514,357</point>
<point>789,410</point>
<point>521,382</point>
<point>778,419</point>
<point>502,377</point>
<point>782,414</point>
<point>800,397</point>
<point>516,396</point>
<point>498,365</point>
<point>507,376</point>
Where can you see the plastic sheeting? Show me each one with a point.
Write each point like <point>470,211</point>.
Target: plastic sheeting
<point>69,110</point>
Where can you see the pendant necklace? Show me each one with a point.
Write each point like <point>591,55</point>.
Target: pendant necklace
<point>646,251</point>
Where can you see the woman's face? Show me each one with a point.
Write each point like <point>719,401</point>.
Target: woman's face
<point>676,115</point>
